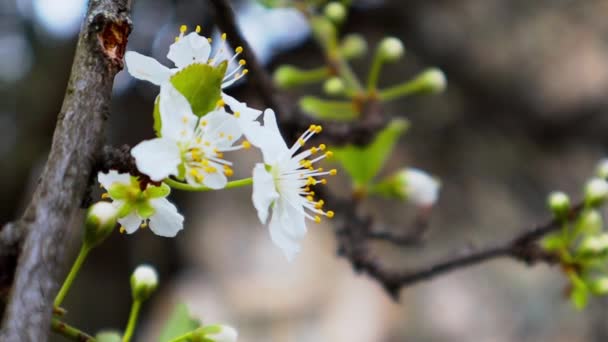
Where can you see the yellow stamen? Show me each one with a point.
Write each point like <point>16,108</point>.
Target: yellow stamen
<point>318,129</point>
<point>313,150</point>
<point>237,114</point>
<point>203,123</point>
<point>333,172</point>
<point>198,29</point>
<point>330,214</point>
<point>105,195</point>
<point>220,103</point>
<point>176,39</point>
<point>185,119</point>
<point>223,36</point>
<point>309,198</point>
<point>317,219</point>
<point>246,145</point>
<point>239,49</point>
<point>329,154</point>
<point>301,141</point>
<point>209,40</point>
<point>144,225</point>
<point>322,147</point>
<point>245,72</point>
<point>122,230</point>
<point>230,137</point>
<point>228,172</point>
<point>323,181</point>
<point>183,29</point>
<point>242,62</point>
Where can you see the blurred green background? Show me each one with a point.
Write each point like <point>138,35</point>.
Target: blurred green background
<point>523,115</point>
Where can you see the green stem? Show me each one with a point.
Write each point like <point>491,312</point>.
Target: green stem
<point>418,85</point>
<point>82,255</point>
<point>187,187</point>
<point>135,308</point>
<point>185,337</point>
<point>345,71</point>
<point>374,73</point>
<point>69,331</point>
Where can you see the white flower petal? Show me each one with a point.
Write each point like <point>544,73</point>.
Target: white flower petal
<point>107,179</point>
<point>286,243</point>
<point>166,221</point>
<point>216,180</point>
<point>131,222</point>
<point>264,192</point>
<point>157,158</point>
<point>222,129</point>
<point>268,139</point>
<point>293,220</point>
<point>177,119</point>
<point>421,188</point>
<point>146,68</point>
<point>245,113</point>
<point>189,49</point>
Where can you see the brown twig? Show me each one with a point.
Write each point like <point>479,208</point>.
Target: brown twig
<point>77,140</point>
<point>355,233</point>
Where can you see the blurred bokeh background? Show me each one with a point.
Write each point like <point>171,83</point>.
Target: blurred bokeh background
<point>523,115</point>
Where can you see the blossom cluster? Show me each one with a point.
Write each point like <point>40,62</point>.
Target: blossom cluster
<point>197,126</point>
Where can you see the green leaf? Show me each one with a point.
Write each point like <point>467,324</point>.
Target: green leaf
<point>108,336</point>
<point>579,295</point>
<point>156,115</point>
<point>179,323</point>
<point>119,191</point>
<point>157,191</point>
<point>201,84</point>
<point>364,163</point>
<point>329,110</point>
<point>553,242</point>
<point>145,209</point>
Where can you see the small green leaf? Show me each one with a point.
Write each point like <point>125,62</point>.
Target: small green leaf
<point>119,191</point>
<point>364,163</point>
<point>108,336</point>
<point>579,295</point>
<point>145,209</point>
<point>157,191</point>
<point>201,84</point>
<point>329,110</point>
<point>179,323</point>
<point>156,115</point>
<point>553,242</point>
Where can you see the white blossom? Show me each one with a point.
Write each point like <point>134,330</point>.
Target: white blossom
<point>194,145</point>
<point>282,183</point>
<point>140,208</point>
<point>418,186</point>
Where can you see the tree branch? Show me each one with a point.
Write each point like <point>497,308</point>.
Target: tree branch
<point>77,140</point>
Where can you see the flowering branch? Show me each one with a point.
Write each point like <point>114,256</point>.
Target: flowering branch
<point>70,332</point>
<point>77,139</point>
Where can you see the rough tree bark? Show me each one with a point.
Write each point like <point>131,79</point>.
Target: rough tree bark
<point>77,140</point>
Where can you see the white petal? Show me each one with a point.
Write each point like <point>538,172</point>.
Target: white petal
<point>264,192</point>
<point>189,49</point>
<point>286,243</point>
<point>421,188</point>
<point>107,179</point>
<point>131,222</point>
<point>216,180</point>
<point>146,68</point>
<point>178,120</point>
<point>268,139</point>
<point>157,158</point>
<point>166,221</point>
<point>246,113</point>
<point>222,129</point>
<point>293,220</point>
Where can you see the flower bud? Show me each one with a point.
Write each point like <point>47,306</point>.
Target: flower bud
<point>599,286</point>
<point>336,12</point>
<point>417,186</point>
<point>334,86</point>
<point>433,80</point>
<point>353,46</point>
<point>221,333</point>
<point>99,223</point>
<point>559,203</point>
<point>594,245</point>
<point>596,191</point>
<point>143,282</point>
<point>391,49</point>
<point>602,169</point>
<point>589,222</point>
